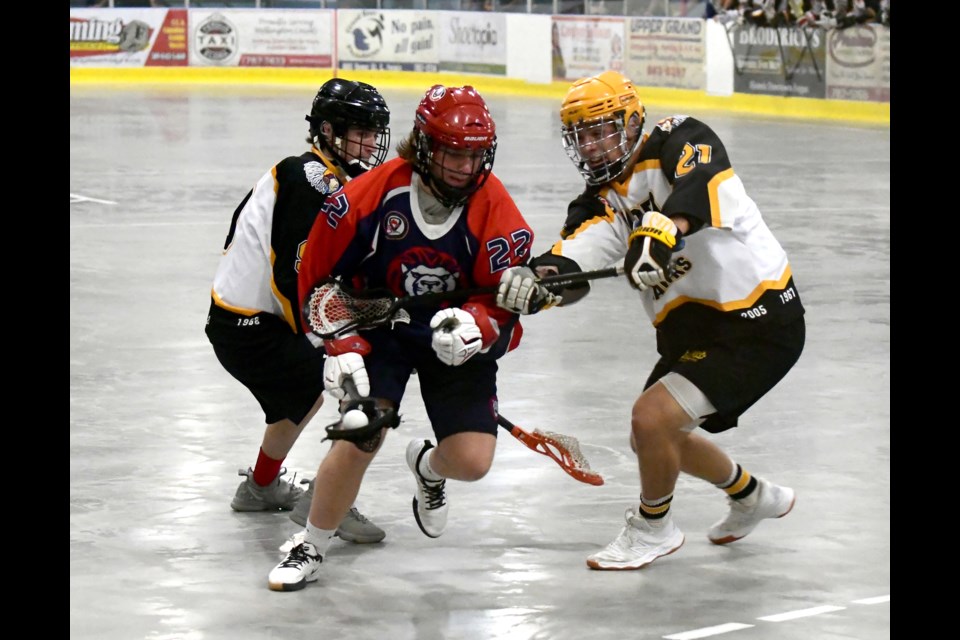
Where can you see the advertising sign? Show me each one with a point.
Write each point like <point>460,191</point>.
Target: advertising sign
<point>128,37</point>
<point>784,61</point>
<point>261,38</point>
<point>858,63</point>
<point>667,52</point>
<point>586,46</point>
<point>388,40</point>
<point>474,42</point>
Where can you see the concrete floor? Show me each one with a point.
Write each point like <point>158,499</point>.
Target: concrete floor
<point>158,429</point>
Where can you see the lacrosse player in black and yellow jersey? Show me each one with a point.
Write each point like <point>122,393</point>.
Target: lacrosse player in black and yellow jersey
<point>254,319</point>
<point>713,280</point>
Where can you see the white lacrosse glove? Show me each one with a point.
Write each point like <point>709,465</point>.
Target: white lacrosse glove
<point>456,336</point>
<point>520,292</point>
<point>650,249</point>
<point>345,359</point>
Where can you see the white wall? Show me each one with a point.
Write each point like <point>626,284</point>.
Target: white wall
<point>719,70</point>
<point>529,47</point>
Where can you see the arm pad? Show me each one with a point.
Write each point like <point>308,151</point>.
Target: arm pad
<point>350,343</point>
<point>588,205</point>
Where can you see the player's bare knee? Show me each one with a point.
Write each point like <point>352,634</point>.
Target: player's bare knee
<point>646,421</point>
<point>473,469</point>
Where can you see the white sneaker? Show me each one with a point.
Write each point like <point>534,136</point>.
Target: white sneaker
<point>773,501</point>
<point>430,503</point>
<point>302,565</point>
<point>638,544</point>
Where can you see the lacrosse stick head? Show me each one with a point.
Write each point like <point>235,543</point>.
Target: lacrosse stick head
<point>367,436</point>
<point>566,451</point>
<point>331,311</point>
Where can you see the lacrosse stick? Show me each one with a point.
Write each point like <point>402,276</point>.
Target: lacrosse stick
<point>330,310</point>
<point>361,419</point>
<point>565,450</point>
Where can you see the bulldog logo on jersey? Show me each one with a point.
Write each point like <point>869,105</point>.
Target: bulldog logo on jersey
<point>395,226</point>
<point>423,270</point>
<point>420,279</point>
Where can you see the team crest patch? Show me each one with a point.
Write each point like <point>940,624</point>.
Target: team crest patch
<point>667,124</point>
<point>319,178</point>
<point>395,226</point>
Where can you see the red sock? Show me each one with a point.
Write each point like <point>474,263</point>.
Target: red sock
<point>267,469</point>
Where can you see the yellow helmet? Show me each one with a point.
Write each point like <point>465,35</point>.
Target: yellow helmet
<point>606,99</point>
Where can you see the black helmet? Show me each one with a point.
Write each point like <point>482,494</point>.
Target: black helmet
<point>346,103</point>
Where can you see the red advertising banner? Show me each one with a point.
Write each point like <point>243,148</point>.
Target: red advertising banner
<point>128,37</point>
<point>170,48</point>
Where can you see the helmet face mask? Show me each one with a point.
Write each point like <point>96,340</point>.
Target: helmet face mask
<point>350,121</point>
<point>456,143</point>
<point>602,125</point>
<point>357,149</point>
<point>600,148</point>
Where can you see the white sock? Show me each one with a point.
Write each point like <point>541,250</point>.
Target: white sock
<point>319,538</point>
<point>426,470</point>
<point>733,476</point>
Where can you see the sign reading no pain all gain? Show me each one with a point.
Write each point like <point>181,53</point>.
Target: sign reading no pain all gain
<point>388,40</point>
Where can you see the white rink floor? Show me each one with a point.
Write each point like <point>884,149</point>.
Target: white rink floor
<point>158,429</point>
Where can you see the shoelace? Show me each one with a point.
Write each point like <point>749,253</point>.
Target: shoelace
<point>362,519</point>
<point>298,556</point>
<point>283,472</point>
<point>433,494</point>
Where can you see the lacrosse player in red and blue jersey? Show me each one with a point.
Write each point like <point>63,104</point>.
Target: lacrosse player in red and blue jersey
<point>434,219</point>
<point>713,280</point>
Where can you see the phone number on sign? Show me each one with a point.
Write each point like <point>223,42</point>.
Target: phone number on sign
<point>670,72</point>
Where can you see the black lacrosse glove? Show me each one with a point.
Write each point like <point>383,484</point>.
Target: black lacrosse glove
<point>651,248</point>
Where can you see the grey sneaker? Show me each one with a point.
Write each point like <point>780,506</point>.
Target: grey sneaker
<point>279,494</point>
<point>773,501</point>
<point>302,565</point>
<point>430,503</point>
<point>355,527</point>
<point>302,510</point>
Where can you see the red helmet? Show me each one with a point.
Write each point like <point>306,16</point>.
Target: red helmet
<point>453,119</point>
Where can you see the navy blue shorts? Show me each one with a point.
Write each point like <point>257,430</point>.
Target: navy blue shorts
<point>456,399</point>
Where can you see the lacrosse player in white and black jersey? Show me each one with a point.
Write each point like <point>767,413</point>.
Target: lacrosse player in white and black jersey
<point>712,278</point>
<point>254,320</point>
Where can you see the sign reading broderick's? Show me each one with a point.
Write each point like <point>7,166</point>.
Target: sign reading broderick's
<point>784,61</point>
<point>812,62</point>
